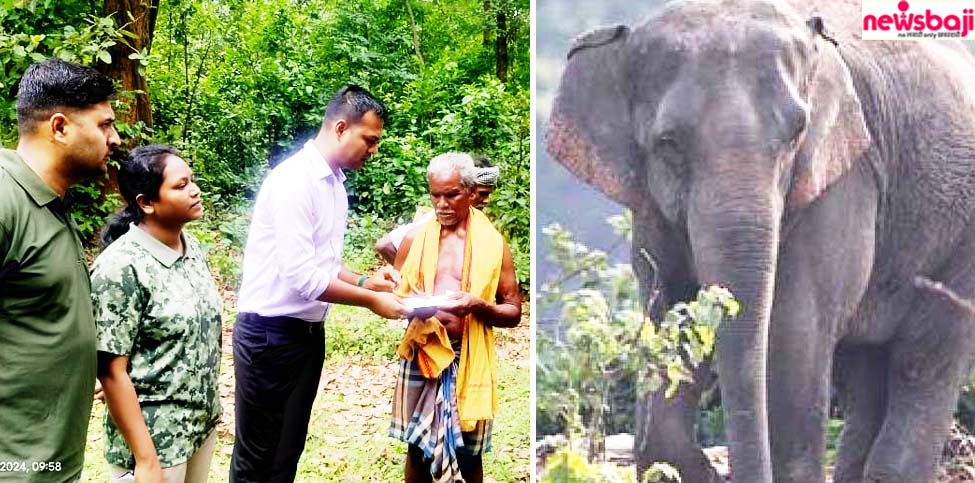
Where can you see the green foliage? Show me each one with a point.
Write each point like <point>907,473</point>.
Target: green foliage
<point>661,473</point>
<point>351,331</point>
<point>566,466</point>
<point>236,85</point>
<point>31,31</point>
<point>90,209</point>
<point>363,231</point>
<point>965,413</point>
<point>222,232</point>
<point>237,98</point>
<point>605,342</point>
<point>833,429</point>
<point>711,427</point>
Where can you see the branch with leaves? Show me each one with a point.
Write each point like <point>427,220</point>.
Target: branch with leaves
<point>603,337</point>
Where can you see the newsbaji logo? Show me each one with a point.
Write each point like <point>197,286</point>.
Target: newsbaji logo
<point>925,19</point>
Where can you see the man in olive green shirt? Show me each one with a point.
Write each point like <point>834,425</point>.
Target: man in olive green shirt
<point>47,330</point>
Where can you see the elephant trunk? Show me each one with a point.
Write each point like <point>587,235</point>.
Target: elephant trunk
<point>734,243</point>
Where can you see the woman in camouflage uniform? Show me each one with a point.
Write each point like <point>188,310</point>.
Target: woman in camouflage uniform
<point>158,316</point>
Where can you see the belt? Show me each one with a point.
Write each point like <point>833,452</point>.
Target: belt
<point>281,321</point>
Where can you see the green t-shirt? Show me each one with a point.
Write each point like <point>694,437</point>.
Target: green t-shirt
<point>162,310</point>
<point>47,334</point>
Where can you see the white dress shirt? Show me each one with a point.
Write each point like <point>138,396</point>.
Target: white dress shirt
<point>294,245</point>
<point>398,234</point>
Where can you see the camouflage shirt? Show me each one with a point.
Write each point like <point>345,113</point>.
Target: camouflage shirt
<point>163,311</point>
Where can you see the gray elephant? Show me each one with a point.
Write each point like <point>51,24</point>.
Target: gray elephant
<point>763,146</point>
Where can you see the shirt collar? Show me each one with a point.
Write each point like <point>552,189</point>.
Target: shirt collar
<point>165,255</point>
<point>319,165</point>
<point>39,191</point>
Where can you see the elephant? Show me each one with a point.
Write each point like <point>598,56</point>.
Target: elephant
<point>765,147</point>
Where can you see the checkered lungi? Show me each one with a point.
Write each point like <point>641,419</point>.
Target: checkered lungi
<point>425,415</point>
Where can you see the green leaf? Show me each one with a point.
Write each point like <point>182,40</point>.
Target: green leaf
<point>104,56</point>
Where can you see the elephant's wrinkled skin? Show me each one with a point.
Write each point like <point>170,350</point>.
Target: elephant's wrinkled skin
<point>816,176</point>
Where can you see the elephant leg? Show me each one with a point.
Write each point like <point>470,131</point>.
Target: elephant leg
<point>665,431</point>
<point>861,382</point>
<point>799,382</point>
<point>929,361</point>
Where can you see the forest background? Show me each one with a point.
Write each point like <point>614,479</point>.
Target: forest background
<point>239,85</point>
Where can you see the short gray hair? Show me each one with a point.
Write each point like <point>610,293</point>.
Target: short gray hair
<point>446,163</point>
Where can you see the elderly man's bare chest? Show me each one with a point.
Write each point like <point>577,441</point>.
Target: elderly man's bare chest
<point>450,271</point>
<point>450,264</point>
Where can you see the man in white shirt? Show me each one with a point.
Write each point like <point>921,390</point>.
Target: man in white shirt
<point>292,274</point>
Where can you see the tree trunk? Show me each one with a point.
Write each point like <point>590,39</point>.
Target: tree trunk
<point>501,46</point>
<point>125,71</point>
<point>416,34</point>
<point>487,24</point>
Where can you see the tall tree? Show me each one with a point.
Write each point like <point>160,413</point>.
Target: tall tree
<point>504,18</point>
<point>416,34</point>
<point>139,18</point>
<point>501,45</point>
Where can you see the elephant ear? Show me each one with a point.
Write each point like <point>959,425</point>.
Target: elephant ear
<point>837,134</point>
<point>589,131</point>
<point>597,38</point>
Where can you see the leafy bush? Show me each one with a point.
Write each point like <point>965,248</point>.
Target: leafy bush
<point>90,209</point>
<point>33,31</point>
<point>566,466</point>
<point>605,343</point>
<point>222,232</point>
<point>360,237</point>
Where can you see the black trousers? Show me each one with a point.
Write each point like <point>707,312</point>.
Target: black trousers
<point>277,365</point>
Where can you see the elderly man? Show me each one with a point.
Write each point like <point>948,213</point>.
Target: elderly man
<point>445,398</point>
<point>66,130</point>
<point>485,181</point>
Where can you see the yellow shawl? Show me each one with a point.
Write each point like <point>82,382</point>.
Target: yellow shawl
<point>484,250</point>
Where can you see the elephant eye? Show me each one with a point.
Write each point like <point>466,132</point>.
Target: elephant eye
<point>667,147</point>
<point>790,120</point>
<point>665,140</point>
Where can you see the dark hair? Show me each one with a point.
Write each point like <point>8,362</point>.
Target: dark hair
<point>141,174</point>
<point>55,84</point>
<point>482,161</point>
<point>351,103</point>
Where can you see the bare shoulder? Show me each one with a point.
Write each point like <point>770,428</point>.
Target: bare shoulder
<point>404,248</point>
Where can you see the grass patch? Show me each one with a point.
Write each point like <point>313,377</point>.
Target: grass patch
<point>353,331</point>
